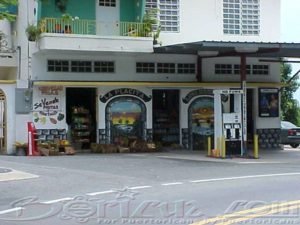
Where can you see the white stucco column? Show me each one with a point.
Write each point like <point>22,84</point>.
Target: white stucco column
<point>217,117</point>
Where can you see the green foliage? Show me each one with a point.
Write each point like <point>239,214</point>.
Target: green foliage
<point>4,14</point>
<point>66,16</point>
<point>290,109</point>
<point>150,20</point>
<point>33,32</point>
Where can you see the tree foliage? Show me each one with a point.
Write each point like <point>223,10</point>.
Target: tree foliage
<point>4,13</point>
<point>290,109</point>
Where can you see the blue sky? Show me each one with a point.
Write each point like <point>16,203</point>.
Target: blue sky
<point>290,28</point>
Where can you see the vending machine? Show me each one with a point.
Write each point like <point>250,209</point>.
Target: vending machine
<point>232,132</point>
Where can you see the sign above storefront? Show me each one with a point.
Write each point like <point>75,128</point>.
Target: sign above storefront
<point>124,91</point>
<point>229,91</point>
<point>195,93</point>
<point>50,90</point>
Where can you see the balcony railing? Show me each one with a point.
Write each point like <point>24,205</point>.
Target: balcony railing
<point>92,27</point>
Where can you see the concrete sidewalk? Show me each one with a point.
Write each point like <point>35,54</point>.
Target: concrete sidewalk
<point>265,156</point>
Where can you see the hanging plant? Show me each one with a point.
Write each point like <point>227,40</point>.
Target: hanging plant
<point>33,32</point>
<point>61,5</point>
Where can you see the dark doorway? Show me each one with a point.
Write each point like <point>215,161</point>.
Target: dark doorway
<point>165,116</point>
<point>81,116</point>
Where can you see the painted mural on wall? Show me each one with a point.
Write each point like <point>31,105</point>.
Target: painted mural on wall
<point>268,102</point>
<point>201,122</point>
<point>125,118</point>
<point>203,116</point>
<point>47,107</point>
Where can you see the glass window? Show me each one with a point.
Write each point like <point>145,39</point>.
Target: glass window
<point>260,69</point>
<point>81,66</point>
<point>107,3</point>
<point>165,67</point>
<point>167,14</point>
<point>223,69</point>
<point>245,12</point>
<point>58,66</point>
<point>104,67</point>
<point>145,67</point>
<point>188,68</point>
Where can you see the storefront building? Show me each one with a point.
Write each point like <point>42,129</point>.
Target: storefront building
<point>95,75</point>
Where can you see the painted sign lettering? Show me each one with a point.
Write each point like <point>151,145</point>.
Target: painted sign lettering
<point>125,91</point>
<point>45,104</point>
<point>195,93</point>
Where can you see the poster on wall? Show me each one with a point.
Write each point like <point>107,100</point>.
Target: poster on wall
<point>47,107</point>
<point>268,102</point>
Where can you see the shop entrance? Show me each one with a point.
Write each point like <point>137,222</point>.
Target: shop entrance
<point>165,117</point>
<point>201,122</point>
<point>81,116</point>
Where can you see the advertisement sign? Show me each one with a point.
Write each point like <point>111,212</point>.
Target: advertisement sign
<point>268,102</point>
<point>47,108</point>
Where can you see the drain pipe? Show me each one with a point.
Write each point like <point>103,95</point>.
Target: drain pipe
<point>19,62</point>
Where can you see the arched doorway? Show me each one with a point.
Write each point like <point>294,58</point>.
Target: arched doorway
<point>3,133</point>
<point>125,118</point>
<point>201,122</point>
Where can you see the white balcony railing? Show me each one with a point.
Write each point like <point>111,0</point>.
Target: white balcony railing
<point>92,27</point>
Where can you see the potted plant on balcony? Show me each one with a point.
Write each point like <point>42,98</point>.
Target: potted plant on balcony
<point>33,32</point>
<point>67,21</point>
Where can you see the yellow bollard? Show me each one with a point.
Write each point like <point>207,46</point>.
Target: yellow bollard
<point>255,146</point>
<point>209,146</point>
<point>218,148</point>
<point>223,148</point>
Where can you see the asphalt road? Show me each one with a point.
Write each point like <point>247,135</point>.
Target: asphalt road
<point>163,188</point>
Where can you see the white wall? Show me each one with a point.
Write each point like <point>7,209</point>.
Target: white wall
<point>26,12</point>
<point>208,72</point>
<point>9,91</point>
<point>21,131</point>
<point>203,20</point>
<point>125,69</point>
<point>184,108</point>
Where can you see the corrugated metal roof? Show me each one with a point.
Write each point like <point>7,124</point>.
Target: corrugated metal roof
<point>228,48</point>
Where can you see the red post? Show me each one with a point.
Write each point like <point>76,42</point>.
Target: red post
<point>32,147</point>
